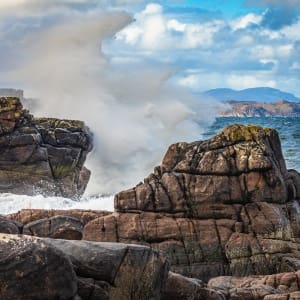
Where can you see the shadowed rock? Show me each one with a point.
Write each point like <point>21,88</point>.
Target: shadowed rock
<point>36,268</point>
<point>58,227</point>
<point>41,155</point>
<point>32,269</point>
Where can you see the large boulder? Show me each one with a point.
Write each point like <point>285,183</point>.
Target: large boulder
<point>225,206</point>
<point>41,155</point>
<point>32,269</point>
<point>37,268</point>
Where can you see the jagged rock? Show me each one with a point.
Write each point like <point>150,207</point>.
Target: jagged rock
<point>225,206</point>
<point>58,227</point>
<point>278,286</point>
<point>41,155</point>
<point>38,268</point>
<point>133,272</point>
<point>26,216</point>
<point>33,269</point>
<point>179,287</point>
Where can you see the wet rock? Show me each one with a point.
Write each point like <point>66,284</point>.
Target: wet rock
<point>26,216</point>
<point>41,155</point>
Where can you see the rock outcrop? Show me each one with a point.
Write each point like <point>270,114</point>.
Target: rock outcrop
<point>44,156</point>
<point>224,211</point>
<point>226,206</point>
<point>34,268</point>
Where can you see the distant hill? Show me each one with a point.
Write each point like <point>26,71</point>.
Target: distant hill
<point>259,94</point>
<point>280,108</point>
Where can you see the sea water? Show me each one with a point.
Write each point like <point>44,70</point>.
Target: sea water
<point>288,129</point>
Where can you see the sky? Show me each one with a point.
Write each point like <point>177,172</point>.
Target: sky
<point>134,70</point>
<point>207,43</point>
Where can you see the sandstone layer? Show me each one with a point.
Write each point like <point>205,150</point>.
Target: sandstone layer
<point>44,156</point>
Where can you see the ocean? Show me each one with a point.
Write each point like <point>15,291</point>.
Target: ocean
<point>288,128</point>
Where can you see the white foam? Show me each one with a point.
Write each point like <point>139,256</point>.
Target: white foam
<point>10,203</point>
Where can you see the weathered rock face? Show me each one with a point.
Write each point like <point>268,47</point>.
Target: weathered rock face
<point>32,269</point>
<point>36,269</point>
<point>282,286</point>
<point>41,155</point>
<point>226,206</point>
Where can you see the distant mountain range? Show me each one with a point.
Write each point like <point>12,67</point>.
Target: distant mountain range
<point>256,102</point>
<point>280,108</point>
<point>259,94</point>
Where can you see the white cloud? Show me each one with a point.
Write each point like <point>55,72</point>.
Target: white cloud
<point>155,31</point>
<point>292,32</point>
<point>239,81</point>
<point>153,8</point>
<point>44,7</point>
<point>245,21</point>
<point>176,25</point>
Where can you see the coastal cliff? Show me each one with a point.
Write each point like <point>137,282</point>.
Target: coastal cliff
<point>41,156</point>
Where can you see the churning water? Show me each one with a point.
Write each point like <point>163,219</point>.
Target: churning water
<point>288,128</point>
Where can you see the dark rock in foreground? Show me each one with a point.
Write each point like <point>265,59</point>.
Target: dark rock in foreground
<point>44,156</point>
<point>39,269</point>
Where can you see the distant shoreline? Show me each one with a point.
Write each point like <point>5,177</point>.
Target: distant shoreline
<point>242,109</point>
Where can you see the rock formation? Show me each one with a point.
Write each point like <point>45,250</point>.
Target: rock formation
<point>44,155</point>
<point>224,211</point>
<point>226,206</point>
<point>48,269</point>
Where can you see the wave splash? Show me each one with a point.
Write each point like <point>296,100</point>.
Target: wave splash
<point>10,203</point>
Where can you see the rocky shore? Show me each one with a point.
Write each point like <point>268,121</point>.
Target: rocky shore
<point>218,219</point>
<point>41,155</point>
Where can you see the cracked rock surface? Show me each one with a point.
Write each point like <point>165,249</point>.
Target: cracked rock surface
<point>44,269</point>
<point>225,206</point>
<point>44,156</point>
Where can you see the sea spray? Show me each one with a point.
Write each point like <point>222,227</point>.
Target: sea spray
<point>134,112</point>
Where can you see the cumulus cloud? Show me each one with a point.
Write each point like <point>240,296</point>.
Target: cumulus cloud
<point>154,31</point>
<point>245,21</point>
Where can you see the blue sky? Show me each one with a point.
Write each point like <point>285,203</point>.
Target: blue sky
<point>205,44</point>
